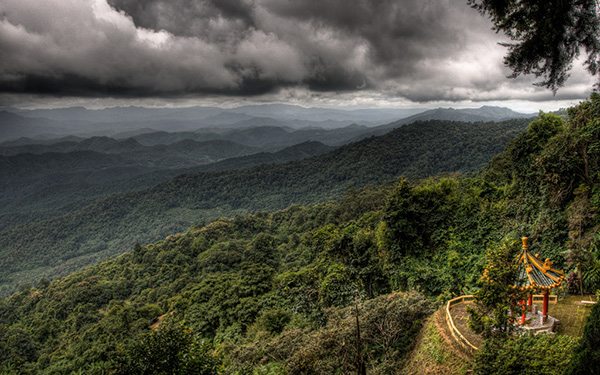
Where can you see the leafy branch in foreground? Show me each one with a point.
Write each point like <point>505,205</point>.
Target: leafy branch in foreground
<point>546,35</point>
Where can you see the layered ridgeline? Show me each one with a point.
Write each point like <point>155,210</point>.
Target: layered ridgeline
<point>46,179</point>
<point>68,172</point>
<point>109,226</point>
<point>180,154</point>
<point>46,185</point>
<point>123,122</point>
<point>281,292</point>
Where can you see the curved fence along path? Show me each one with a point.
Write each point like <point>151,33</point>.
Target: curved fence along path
<point>468,345</point>
<point>458,336</point>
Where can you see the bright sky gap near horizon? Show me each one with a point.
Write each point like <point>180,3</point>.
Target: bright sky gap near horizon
<point>410,54</point>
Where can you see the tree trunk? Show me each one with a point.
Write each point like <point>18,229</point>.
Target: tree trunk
<point>361,368</point>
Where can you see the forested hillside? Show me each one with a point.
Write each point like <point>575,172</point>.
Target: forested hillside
<point>281,292</point>
<point>43,186</point>
<point>109,226</point>
<point>184,153</point>
<point>268,137</point>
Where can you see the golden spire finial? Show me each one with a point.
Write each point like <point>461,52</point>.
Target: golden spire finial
<point>524,241</point>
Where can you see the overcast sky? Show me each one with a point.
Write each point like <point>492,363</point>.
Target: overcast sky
<point>408,53</point>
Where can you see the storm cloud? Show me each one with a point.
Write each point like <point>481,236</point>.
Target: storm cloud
<point>421,50</point>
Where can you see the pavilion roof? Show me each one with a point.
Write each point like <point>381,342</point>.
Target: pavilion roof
<point>535,274</point>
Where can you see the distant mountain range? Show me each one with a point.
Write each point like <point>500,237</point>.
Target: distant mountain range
<point>485,113</point>
<point>218,115</point>
<point>45,185</point>
<point>125,122</point>
<point>64,238</point>
<point>481,114</point>
<point>115,176</point>
<point>13,126</point>
<point>180,154</point>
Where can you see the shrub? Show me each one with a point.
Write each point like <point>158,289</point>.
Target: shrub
<point>168,350</point>
<point>524,355</point>
<point>388,327</point>
<point>274,320</point>
<point>587,355</point>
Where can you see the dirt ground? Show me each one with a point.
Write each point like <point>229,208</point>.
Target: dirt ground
<point>460,315</point>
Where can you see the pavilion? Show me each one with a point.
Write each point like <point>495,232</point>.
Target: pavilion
<point>535,275</point>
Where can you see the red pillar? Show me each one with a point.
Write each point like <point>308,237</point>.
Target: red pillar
<point>524,312</point>
<point>545,306</point>
<point>530,303</point>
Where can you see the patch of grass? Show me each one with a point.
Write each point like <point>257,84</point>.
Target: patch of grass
<point>571,313</point>
<point>434,346</point>
<point>433,355</point>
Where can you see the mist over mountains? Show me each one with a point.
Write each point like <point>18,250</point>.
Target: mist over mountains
<point>122,122</point>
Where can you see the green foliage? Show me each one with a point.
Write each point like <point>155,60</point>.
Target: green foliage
<point>528,355</point>
<point>388,326</point>
<point>586,359</point>
<point>85,233</point>
<point>336,289</point>
<point>17,346</point>
<point>274,320</point>
<point>546,36</point>
<point>168,350</point>
<point>497,297</point>
<point>276,292</point>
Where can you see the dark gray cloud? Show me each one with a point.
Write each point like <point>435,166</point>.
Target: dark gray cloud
<point>396,31</point>
<point>422,50</point>
<point>215,20</point>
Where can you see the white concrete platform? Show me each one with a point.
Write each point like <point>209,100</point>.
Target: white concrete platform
<point>534,323</point>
